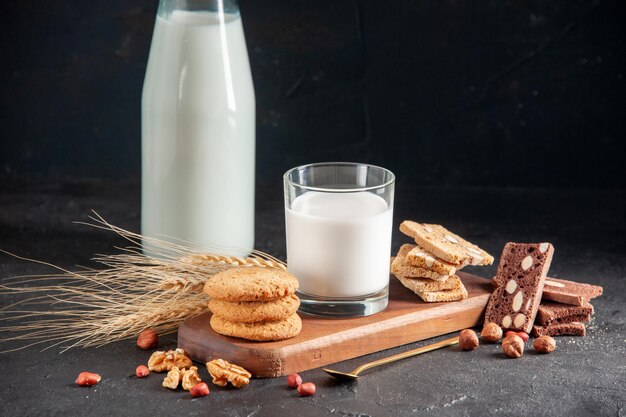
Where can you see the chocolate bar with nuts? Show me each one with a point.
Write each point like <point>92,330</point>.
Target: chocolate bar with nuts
<point>570,292</point>
<point>550,313</point>
<point>519,280</point>
<point>561,329</point>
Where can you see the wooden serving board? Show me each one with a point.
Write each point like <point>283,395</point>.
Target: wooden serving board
<point>324,341</point>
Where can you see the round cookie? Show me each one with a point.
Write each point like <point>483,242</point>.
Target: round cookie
<point>251,284</point>
<point>255,311</point>
<point>262,332</point>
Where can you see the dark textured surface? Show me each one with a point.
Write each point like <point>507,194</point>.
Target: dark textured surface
<point>424,88</point>
<point>583,377</point>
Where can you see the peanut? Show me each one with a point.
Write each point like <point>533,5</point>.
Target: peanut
<point>294,380</point>
<point>148,339</point>
<point>199,390</point>
<point>142,371</point>
<point>306,389</point>
<point>87,379</point>
<point>523,335</point>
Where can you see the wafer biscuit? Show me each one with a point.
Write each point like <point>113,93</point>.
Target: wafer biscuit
<point>426,284</point>
<point>420,257</point>
<point>399,267</point>
<point>444,244</point>
<point>443,296</point>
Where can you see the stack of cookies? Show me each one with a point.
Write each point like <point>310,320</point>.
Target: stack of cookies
<point>428,267</point>
<point>254,303</point>
<point>565,307</point>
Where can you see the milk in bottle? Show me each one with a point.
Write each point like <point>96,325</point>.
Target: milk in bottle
<point>198,129</point>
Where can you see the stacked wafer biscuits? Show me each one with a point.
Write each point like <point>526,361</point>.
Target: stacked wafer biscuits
<point>428,267</point>
<point>254,303</point>
<point>565,307</point>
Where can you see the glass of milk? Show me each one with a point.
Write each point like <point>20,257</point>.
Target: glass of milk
<point>338,218</point>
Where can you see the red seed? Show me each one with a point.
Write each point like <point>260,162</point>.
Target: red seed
<point>294,380</point>
<point>87,379</point>
<point>306,389</point>
<point>199,390</point>
<point>148,339</point>
<point>142,371</point>
<point>523,335</point>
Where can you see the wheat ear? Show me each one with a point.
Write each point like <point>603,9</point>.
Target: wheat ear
<point>133,291</point>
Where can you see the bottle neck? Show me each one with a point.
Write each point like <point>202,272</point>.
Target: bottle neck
<point>167,7</point>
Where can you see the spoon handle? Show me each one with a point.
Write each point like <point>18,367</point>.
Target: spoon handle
<point>408,354</point>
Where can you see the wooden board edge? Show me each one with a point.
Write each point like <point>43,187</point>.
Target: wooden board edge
<point>305,359</point>
<point>271,360</point>
<point>310,354</point>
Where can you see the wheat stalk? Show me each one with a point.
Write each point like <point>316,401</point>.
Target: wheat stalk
<point>134,291</point>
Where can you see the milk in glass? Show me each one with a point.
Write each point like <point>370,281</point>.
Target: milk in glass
<point>338,243</point>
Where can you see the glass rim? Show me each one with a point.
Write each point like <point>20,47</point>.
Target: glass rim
<point>287,179</point>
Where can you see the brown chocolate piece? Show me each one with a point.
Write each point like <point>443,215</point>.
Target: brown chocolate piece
<point>550,313</point>
<point>521,273</point>
<point>570,292</point>
<point>561,329</point>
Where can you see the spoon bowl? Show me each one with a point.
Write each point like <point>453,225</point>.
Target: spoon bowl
<point>343,376</point>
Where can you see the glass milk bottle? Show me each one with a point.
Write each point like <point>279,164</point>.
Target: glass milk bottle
<point>198,130</point>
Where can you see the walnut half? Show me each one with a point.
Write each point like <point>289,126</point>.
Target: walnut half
<point>164,361</point>
<point>191,378</point>
<point>173,378</point>
<point>224,372</point>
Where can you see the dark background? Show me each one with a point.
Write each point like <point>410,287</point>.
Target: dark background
<point>503,120</point>
<point>523,93</point>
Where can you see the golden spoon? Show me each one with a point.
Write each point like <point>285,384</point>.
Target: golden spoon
<point>351,376</point>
